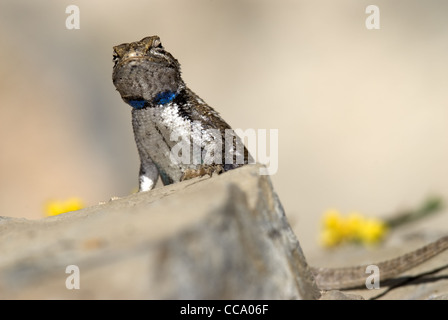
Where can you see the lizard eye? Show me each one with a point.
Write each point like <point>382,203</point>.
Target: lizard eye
<point>115,58</point>
<point>157,44</point>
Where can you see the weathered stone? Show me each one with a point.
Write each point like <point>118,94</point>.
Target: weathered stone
<point>221,238</point>
<point>339,295</point>
<point>225,237</point>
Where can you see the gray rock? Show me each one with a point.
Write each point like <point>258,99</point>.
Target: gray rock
<point>339,295</point>
<point>224,237</point>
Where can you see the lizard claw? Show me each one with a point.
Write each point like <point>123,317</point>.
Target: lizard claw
<point>202,171</point>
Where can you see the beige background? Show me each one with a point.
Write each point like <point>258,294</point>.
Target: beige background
<point>362,114</point>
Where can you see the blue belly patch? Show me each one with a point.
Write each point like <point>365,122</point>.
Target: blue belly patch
<point>166,179</point>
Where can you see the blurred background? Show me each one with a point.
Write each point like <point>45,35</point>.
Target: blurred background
<point>362,114</point>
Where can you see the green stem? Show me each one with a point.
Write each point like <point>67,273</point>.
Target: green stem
<point>430,206</point>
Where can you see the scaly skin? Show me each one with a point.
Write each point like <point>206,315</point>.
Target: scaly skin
<point>164,110</point>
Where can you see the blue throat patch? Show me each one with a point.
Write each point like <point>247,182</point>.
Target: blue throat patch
<point>161,99</point>
<point>165,97</point>
<point>137,104</point>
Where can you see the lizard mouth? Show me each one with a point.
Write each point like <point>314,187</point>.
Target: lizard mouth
<point>130,79</point>
<point>144,77</point>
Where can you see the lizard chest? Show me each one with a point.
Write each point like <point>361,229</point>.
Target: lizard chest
<point>168,139</point>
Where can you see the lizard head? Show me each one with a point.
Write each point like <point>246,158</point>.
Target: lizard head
<point>145,74</point>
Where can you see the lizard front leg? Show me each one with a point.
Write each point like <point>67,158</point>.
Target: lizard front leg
<point>148,175</point>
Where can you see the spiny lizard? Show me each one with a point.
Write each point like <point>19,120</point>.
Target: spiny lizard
<point>148,78</point>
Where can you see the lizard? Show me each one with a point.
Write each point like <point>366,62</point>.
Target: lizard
<point>148,78</point>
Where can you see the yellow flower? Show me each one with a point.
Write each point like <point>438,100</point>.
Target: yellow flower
<point>332,234</point>
<point>330,238</point>
<point>53,208</point>
<point>337,229</point>
<point>332,219</point>
<point>372,231</point>
<point>352,225</point>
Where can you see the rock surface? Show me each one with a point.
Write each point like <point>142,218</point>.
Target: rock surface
<point>225,237</point>
<point>221,238</point>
